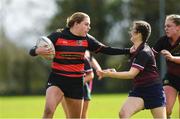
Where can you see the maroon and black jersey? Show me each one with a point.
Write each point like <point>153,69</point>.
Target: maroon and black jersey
<point>144,60</point>
<point>164,43</point>
<point>70,49</point>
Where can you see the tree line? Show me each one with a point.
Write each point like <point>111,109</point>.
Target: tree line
<point>22,74</point>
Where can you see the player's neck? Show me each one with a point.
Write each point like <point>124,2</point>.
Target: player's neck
<point>174,38</point>
<point>74,31</point>
<point>137,44</point>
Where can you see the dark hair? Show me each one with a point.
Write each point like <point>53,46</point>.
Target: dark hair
<point>175,18</point>
<point>144,28</point>
<point>77,17</point>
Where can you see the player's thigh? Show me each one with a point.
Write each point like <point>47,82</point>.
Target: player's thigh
<point>132,105</point>
<point>179,98</point>
<point>159,112</point>
<point>179,103</point>
<point>64,105</point>
<point>53,96</point>
<point>171,95</point>
<point>74,107</point>
<point>85,108</point>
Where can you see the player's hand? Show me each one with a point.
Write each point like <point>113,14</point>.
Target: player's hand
<point>167,54</point>
<point>110,70</point>
<point>99,74</point>
<point>104,73</point>
<point>44,51</point>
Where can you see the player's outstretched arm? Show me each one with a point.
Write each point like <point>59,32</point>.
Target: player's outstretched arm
<point>121,75</point>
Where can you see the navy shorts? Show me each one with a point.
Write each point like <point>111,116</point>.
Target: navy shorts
<point>71,87</point>
<point>153,96</point>
<point>87,92</point>
<point>173,81</point>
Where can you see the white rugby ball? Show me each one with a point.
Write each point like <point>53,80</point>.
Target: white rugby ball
<point>43,41</point>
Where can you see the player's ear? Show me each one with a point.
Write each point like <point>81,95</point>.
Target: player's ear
<point>140,35</point>
<point>75,23</point>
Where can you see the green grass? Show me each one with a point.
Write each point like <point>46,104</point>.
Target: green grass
<point>101,106</point>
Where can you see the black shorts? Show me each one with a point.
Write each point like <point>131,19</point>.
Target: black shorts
<point>173,81</point>
<point>71,87</point>
<point>87,92</point>
<point>153,96</point>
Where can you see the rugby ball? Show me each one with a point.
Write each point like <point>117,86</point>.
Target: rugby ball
<point>45,42</point>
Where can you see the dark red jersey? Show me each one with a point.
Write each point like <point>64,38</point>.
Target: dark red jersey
<point>144,60</point>
<point>164,43</point>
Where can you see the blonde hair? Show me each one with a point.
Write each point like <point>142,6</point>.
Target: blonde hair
<point>77,17</point>
<point>175,18</point>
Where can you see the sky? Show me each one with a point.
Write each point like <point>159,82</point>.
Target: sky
<point>24,21</point>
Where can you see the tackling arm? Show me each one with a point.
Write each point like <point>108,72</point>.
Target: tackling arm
<point>95,64</point>
<point>121,75</point>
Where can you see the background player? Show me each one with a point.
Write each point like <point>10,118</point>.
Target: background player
<point>169,46</point>
<point>90,64</point>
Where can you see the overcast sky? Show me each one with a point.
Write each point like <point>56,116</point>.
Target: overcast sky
<point>24,20</point>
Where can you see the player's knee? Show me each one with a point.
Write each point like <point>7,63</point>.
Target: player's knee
<point>124,114</point>
<point>83,116</point>
<point>49,111</point>
<point>168,111</point>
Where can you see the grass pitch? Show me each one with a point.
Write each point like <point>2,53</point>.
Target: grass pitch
<point>101,106</point>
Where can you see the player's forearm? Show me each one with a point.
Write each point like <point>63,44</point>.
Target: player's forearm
<point>176,59</point>
<point>120,75</point>
<point>89,77</point>
<point>115,51</point>
<point>95,64</point>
